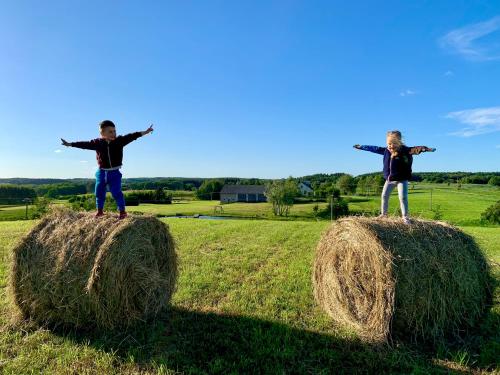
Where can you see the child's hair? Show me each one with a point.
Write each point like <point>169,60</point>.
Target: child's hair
<point>106,124</point>
<point>396,137</point>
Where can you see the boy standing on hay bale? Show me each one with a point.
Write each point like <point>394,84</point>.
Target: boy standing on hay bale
<point>398,159</point>
<point>109,154</point>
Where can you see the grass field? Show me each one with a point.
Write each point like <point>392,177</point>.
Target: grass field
<point>461,207</point>
<point>14,212</point>
<point>244,305</point>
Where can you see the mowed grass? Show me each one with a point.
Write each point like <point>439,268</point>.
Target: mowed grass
<point>13,212</point>
<point>243,210</point>
<point>244,304</point>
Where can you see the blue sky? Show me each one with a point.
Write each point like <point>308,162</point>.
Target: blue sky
<point>249,88</point>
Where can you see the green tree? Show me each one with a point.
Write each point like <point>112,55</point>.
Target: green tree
<point>369,185</point>
<point>12,194</point>
<point>281,194</point>
<point>361,186</point>
<point>378,183</point>
<point>41,207</point>
<point>209,190</point>
<point>57,190</point>
<point>346,184</point>
<point>159,195</point>
<point>495,181</point>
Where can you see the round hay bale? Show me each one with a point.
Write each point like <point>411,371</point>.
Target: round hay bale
<point>422,281</point>
<point>74,269</point>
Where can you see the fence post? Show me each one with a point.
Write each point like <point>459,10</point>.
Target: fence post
<point>27,201</point>
<point>431,199</point>
<point>331,209</point>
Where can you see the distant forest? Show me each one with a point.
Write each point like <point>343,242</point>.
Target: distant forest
<point>16,189</point>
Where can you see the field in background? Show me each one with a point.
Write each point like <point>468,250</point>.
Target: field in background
<point>13,212</point>
<point>461,207</point>
<point>244,305</point>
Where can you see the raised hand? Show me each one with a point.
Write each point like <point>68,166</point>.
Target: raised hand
<point>148,130</point>
<point>65,143</point>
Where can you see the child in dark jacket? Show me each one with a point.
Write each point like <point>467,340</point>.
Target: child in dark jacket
<point>398,159</point>
<point>109,155</point>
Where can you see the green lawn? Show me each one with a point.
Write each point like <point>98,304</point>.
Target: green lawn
<point>244,305</point>
<point>14,212</point>
<point>247,210</point>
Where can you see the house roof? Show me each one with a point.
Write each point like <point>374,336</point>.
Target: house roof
<point>306,184</point>
<point>243,189</point>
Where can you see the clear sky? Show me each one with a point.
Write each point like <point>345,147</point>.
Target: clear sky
<point>249,88</point>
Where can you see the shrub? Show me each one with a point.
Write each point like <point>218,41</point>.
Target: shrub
<point>492,214</point>
<point>337,206</point>
<point>40,208</point>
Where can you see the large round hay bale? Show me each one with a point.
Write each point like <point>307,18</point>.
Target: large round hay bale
<point>422,281</point>
<point>74,269</point>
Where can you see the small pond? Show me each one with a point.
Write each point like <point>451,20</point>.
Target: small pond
<point>206,217</point>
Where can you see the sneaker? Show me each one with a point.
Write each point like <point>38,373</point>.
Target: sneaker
<point>123,215</point>
<point>99,213</point>
<point>406,220</point>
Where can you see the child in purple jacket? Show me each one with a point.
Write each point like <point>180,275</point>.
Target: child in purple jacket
<point>109,155</point>
<point>398,159</point>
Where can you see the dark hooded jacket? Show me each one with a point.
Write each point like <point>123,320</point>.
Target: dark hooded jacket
<point>108,154</point>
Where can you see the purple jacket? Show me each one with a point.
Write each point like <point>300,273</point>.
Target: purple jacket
<point>108,154</point>
<point>397,168</point>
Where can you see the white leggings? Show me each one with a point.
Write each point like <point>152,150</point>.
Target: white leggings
<point>402,193</point>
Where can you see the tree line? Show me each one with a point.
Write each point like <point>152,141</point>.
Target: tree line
<point>12,194</point>
<point>209,189</point>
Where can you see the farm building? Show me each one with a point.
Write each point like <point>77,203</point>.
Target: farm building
<point>305,188</point>
<point>243,193</point>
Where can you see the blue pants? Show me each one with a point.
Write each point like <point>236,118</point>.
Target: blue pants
<point>114,180</point>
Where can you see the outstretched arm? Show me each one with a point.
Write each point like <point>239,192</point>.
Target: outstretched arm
<point>375,149</point>
<point>126,139</point>
<point>90,145</point>
<point>415,150</point>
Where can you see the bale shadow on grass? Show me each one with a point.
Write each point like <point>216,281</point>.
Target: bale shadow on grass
<point>198,342</point>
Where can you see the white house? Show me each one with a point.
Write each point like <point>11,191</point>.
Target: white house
<point>305,188</point>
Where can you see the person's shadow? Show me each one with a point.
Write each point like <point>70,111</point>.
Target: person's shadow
<point>197,342</point>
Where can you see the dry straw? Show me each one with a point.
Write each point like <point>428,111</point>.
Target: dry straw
<point>382,277</point>
<point>74,269</point>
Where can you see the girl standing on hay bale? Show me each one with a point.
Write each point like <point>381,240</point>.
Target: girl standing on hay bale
<point>109,154</point>
<point>398,159</point>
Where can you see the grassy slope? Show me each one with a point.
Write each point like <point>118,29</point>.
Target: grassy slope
<point>244,304</point>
